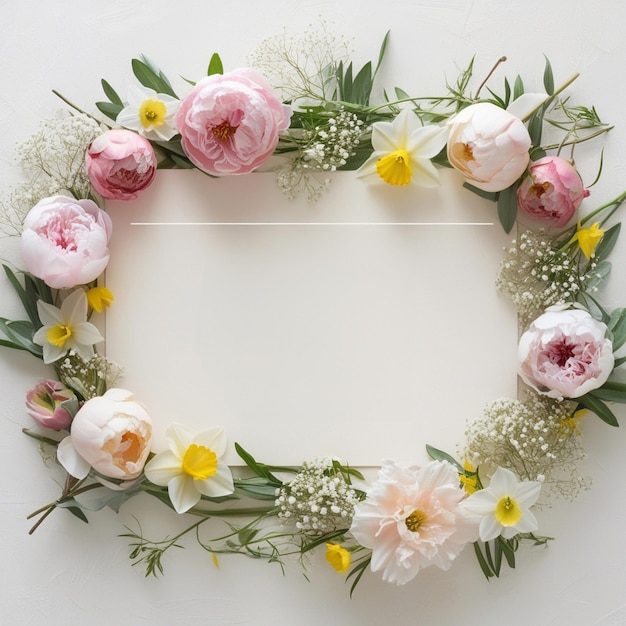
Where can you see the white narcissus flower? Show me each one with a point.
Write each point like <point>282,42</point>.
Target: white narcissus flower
<point>412,518</point>
<point>111,433</point>
<point>504,507</point>
<point>149,113</point>
<point>192,466</point>
<point>66,328</point>
<point>403,150</point>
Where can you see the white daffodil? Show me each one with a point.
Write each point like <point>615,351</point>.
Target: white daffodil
<point>149,113</point>
<point>192,466</point>
<point>403,150</point>
<point>66,328</point>
<point>504,507</point>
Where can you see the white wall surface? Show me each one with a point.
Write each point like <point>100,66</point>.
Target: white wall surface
<point>71,573</point>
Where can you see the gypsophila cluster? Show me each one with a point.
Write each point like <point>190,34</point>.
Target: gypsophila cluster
<point>88,378</point>
<point>536,275</point>
<point>302,65</point>
<point>318,500</point>
<point>538,439</point>
<point>56,153</point>
<point>321,149</point>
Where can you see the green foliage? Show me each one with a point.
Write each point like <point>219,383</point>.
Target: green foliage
<point>215,65</point>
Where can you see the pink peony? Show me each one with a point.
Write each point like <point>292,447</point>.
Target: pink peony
<point>412,518</point>
<point>112,434</point>
<point>229,123</point>
<point>565,354</point>
<point>51,404</point>
<point>551,193</point>
<point>120,164</point>
<point>65,241</point>
<point>489,146</point>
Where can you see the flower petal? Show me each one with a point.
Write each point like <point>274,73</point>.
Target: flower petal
<point>183,492</point>
<point>69,458</point>
<point>220,484</point>
<point>162,468</point>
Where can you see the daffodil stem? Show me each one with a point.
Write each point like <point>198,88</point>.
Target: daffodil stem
<point>615,204</point>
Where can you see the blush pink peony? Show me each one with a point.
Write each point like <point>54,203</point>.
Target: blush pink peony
<point>489,146</point>
<point>412,518</point>
<point>565,354</point>
<point>65,241</point>
<point>230,123</point>
<point>551,193</point>
<point>110,433</point>
<point>120,164</point>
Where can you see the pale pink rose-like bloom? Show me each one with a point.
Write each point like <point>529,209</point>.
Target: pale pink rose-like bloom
<point>51,404</point>
<point>412,518</point>
<point>111,434</point>
<point>489,146</point>
<point>230,123</point>
<point>551,193</point>
<point>565,354</point>
<point>120,164</point>
<point>65,241</point>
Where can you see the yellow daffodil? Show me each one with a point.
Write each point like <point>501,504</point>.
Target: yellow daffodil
<point>338,557</point>
<point>589,238</point>
<point>149,113</point>
<point>403,150</point>
<point>66,328</point>
<point>192,467</point>
<point>469,479</point>
<point>504,507</point>
<point>99,298</point>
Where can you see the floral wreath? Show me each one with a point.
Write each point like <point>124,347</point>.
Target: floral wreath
<point>316,118</point>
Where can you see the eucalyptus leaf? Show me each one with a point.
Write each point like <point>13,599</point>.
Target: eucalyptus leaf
<point>110,109</point>
<point>440,455</point>
<point>148,77</point>
<point>607,243</point>
<point>110,93</point>
<point>548,78</point>
<point>215,65</point>
<point>617,326</point>
<point>596,405</point>
<point>507,208</point>
<point>611,391</point>
<point>518,87</point>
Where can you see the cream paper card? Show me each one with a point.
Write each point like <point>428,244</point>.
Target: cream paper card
<point>364,326</point>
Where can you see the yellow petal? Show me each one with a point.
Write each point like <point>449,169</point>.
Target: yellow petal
<point>395,168</point>
<point>99,298</point>
<point>589,238</point>
<point>199,462</point>
<point>338,557</point>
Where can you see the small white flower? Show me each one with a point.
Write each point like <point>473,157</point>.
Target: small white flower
<point>66,328</point>
<point>149,113</point>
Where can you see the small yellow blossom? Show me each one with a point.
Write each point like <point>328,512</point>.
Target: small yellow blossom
<point>589,238</point>
<point>571,424</point>
<point>99,298</point>
<point>469,479</point>
<point>338,557</point>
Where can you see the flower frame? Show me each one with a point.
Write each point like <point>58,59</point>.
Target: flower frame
<point>263,480</point>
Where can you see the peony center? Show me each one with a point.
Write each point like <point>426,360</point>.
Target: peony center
<point>199,462</point>
<point>463,152</point>
<point>415,520</point>
<point>508,512</point>
<point>224,130</point>
<point>561,352</point>
<point>540,188</point>
<point>395,168</point>
<point>58,335</point>
<point>152,113</point>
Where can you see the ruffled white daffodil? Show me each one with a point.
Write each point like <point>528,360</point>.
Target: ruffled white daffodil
<point>403,150</point>
<point>66,328</point>
<point>504,507</point>
<point>192,466</point>
<point>149,113</point>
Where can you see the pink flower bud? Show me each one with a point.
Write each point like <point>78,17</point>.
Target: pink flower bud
<point>551,193</point>
<point>51,404</point>
<point>120,164</point>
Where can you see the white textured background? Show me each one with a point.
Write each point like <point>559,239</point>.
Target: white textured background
<point>70,573</point>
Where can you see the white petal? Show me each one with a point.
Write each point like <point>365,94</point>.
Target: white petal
<point>489,528</point>
<point>49,314</point>
<point>427,141</point>
<point>86,333</point>
<point>69,458</point>
<point>74,308</point>
<point>212,438</point>
<point>220,484</point>
<point>162,468</point>
<point>523,106</point>
<point>183,493</point>
<point>526,493</point>
<point>179,438</point>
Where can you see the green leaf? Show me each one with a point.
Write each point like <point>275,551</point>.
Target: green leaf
<point>401,94</point>
<point>518,87</point>
<point>611,391</point>
<point>484,566</point>
<point>507,207</point>
<point>592,402</point>
<point>381,52</point>
<point>74,510</point>
<point>110,93</point>
<point>362,86</point>
<point>488,195</point>
<point>617,326</point>
<point>357,571</point>
<point>10,344</point>
<point>597,276</point>
<point>109,109</point>
<point>535,126</point>
<point>440,455</point>
<point>620,361</point>
<point>148,77</point>
<point>548,78</point>
<point>508,550</point>
<point>215,65</point>
<point>257,468</point>
<point>20,333</point>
